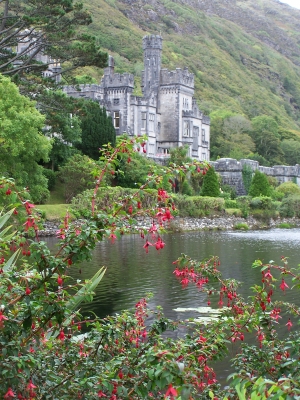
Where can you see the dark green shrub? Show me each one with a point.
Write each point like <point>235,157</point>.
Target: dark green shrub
<point>262,203</point>
<point>277,196</point>
<point>259,185</point>
<point>211,186</point>
<point>198,206</point>
<point>247,174</point>
<point>264,215</point>
<point>231,204</point>
<point>51,176</point>
<point>290,206</point>
<point>229,189</point>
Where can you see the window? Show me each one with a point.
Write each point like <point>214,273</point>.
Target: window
<point>144,120</point>
<point>203,158</point>
<point>203,135</point>
<point>116,102</point>
<point>186,128</point>
<point>151,122</point>
<point>117,119</point>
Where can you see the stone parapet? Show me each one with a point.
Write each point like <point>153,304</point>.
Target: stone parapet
<point>230,170</point>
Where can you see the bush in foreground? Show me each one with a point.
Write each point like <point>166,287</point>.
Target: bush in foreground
<point>133,355</point>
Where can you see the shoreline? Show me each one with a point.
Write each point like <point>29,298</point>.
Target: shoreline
<point>185,224</point>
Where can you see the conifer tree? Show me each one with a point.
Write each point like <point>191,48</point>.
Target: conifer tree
<point>97,129</point>
<point>260,185</point>
<point>211,186</point>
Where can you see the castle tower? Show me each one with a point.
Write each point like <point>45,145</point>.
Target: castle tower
<point>152,46</point>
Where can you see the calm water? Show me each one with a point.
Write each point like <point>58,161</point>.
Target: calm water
<point>131,273</point>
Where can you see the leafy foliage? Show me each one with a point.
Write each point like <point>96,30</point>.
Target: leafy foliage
<point>22,143</point>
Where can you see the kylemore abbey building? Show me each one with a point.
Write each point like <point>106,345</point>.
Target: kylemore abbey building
<point>167,113</point>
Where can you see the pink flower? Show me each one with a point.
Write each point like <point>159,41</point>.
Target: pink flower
<point>30,385</point>
<point>2,317</point>
<point>101,394</point>
<point>268,274</point>
<point>112,237</point>
<point>171,392</point>
<point>146,246</point>
<point>283,285</point>
<point>289,324</point>
<point>9,394</point>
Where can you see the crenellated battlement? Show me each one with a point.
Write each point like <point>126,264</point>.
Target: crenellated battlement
<point>117,80</point>
<point>178,77</point>
<point>152,42</point>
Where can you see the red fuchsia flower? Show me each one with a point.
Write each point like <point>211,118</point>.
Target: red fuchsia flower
<point>167,215</point>
<point>274,314</point>
<point>146,246</point>
<point>2,317</point>
<point>60,281</point>
<point>139,205</point>
<point>289,324</point>
<point>112,237</point>
<point>9,394</point>
<point>260,337</point>
<point>130,210</point>
<point>61,335</point>
<point>268,274</point>
<point>201,339</point>
<point>283,285</point>
<point>29,223</point>
<point>162,195</point>
<point>28,206</point>
<point>61,234</point>
<point>101,394</point>
<point>30,386</point>
<point>184,281</point>
<point>171,392</point>
<point>129,160</point>
<point>27,291</point>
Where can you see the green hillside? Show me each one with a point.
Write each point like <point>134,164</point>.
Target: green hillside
<point>245,54</point>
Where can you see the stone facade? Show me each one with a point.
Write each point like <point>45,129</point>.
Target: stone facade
<point>167,113</point>
<point>231,172</point>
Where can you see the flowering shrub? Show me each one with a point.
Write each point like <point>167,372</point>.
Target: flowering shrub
<point>133,355</point>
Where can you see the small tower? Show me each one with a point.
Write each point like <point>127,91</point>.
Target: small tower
<point>152,46</point>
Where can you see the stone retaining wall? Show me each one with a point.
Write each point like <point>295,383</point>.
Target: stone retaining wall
<point>231,172</point>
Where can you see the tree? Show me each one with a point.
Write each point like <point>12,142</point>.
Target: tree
<point>77,175</point>
<point>63,125</point>
<point>211,186</point>
<point>266,138</point>
<point>291,150</point>
<point>179,156</point>
<point>97,129</point>
<point>259,185</point>
<point>230,137</point>
<point>22,143</point>
<point>45,28</point>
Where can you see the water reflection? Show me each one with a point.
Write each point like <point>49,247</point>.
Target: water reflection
<point>131,273</point>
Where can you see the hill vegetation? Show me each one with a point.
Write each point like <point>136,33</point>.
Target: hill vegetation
<point>245,55</point>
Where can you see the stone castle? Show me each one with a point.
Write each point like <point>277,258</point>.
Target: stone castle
<point>167,113</point>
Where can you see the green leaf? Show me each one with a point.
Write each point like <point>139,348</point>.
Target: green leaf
<point>12,261</point>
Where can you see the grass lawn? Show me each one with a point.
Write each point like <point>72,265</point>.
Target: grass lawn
<point>55,208</point>
<point>54,212</point>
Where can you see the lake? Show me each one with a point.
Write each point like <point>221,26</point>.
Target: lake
<point>131,273</point>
